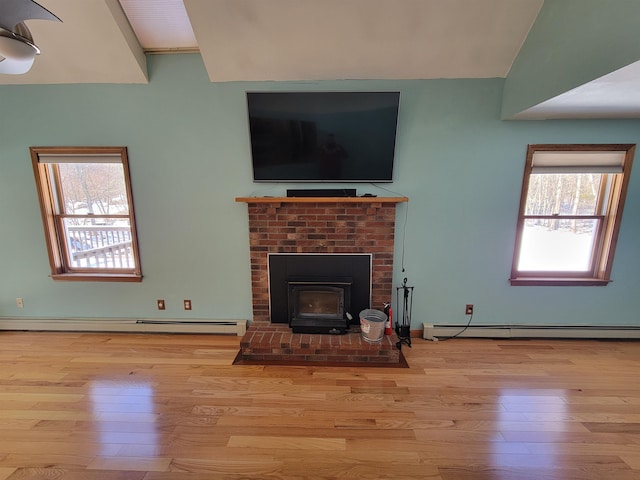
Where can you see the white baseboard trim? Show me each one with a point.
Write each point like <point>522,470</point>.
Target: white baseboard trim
<point>433,332</point>
<point>124,325</point>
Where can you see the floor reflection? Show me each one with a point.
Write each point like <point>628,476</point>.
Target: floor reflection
<point>532,422</point>
<point>125,417</point>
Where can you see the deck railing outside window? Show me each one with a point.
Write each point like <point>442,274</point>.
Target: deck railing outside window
<point>100,246</point>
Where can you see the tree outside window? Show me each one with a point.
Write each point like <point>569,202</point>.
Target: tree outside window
<point>570,212</point>
<point>86,202</point>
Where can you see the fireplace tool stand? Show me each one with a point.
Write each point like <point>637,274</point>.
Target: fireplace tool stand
<point>403,324</point>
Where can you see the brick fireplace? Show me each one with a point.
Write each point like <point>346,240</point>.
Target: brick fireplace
<point>329,226</point>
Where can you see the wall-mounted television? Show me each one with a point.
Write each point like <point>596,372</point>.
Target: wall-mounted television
<point>323,136</point>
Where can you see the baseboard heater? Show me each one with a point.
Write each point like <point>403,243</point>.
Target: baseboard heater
<point>237,327</point>
<point>433,331</point>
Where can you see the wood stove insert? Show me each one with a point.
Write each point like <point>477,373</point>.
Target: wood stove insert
<point>319,293</point>
<point>319,305</point>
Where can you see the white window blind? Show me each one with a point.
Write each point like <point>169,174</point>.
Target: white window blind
<point>63,158</point>
<point>577,162</point>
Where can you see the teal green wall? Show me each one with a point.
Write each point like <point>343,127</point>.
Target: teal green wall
<point>572,42</point>
<point>457,161</point>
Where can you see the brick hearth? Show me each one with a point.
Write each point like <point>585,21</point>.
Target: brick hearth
<point>276,343</point>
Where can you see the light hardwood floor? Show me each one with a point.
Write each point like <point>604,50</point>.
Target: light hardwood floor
<point>173,407</point>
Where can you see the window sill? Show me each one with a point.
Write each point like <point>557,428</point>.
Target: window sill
<point>559,282</point>
<point>96,277</point>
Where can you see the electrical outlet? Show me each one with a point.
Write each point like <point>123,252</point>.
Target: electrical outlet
<point>468,309</point>
<point>20,302</point>
<point>187,304</point>
<point>161,305</point>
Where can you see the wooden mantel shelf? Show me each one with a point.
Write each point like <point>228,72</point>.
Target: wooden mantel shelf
<point>322,199</point>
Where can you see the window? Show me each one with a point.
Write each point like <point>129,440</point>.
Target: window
<point>570,213</point>
<point>87,210</point>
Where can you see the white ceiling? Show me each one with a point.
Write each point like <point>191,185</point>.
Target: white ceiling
<point>616,95</point>
<point>254,40</point>
<point>361,39</point>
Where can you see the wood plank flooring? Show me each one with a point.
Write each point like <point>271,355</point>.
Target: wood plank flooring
<point>173,407</point>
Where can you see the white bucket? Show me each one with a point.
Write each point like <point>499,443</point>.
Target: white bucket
<point>372,323</point>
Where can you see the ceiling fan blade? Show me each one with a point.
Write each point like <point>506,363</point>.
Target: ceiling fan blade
<point>13,12</point>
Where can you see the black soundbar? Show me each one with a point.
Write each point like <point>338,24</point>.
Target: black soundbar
<point>322,192</point>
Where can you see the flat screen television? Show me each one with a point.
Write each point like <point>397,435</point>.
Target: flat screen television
<point>323,136</point>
